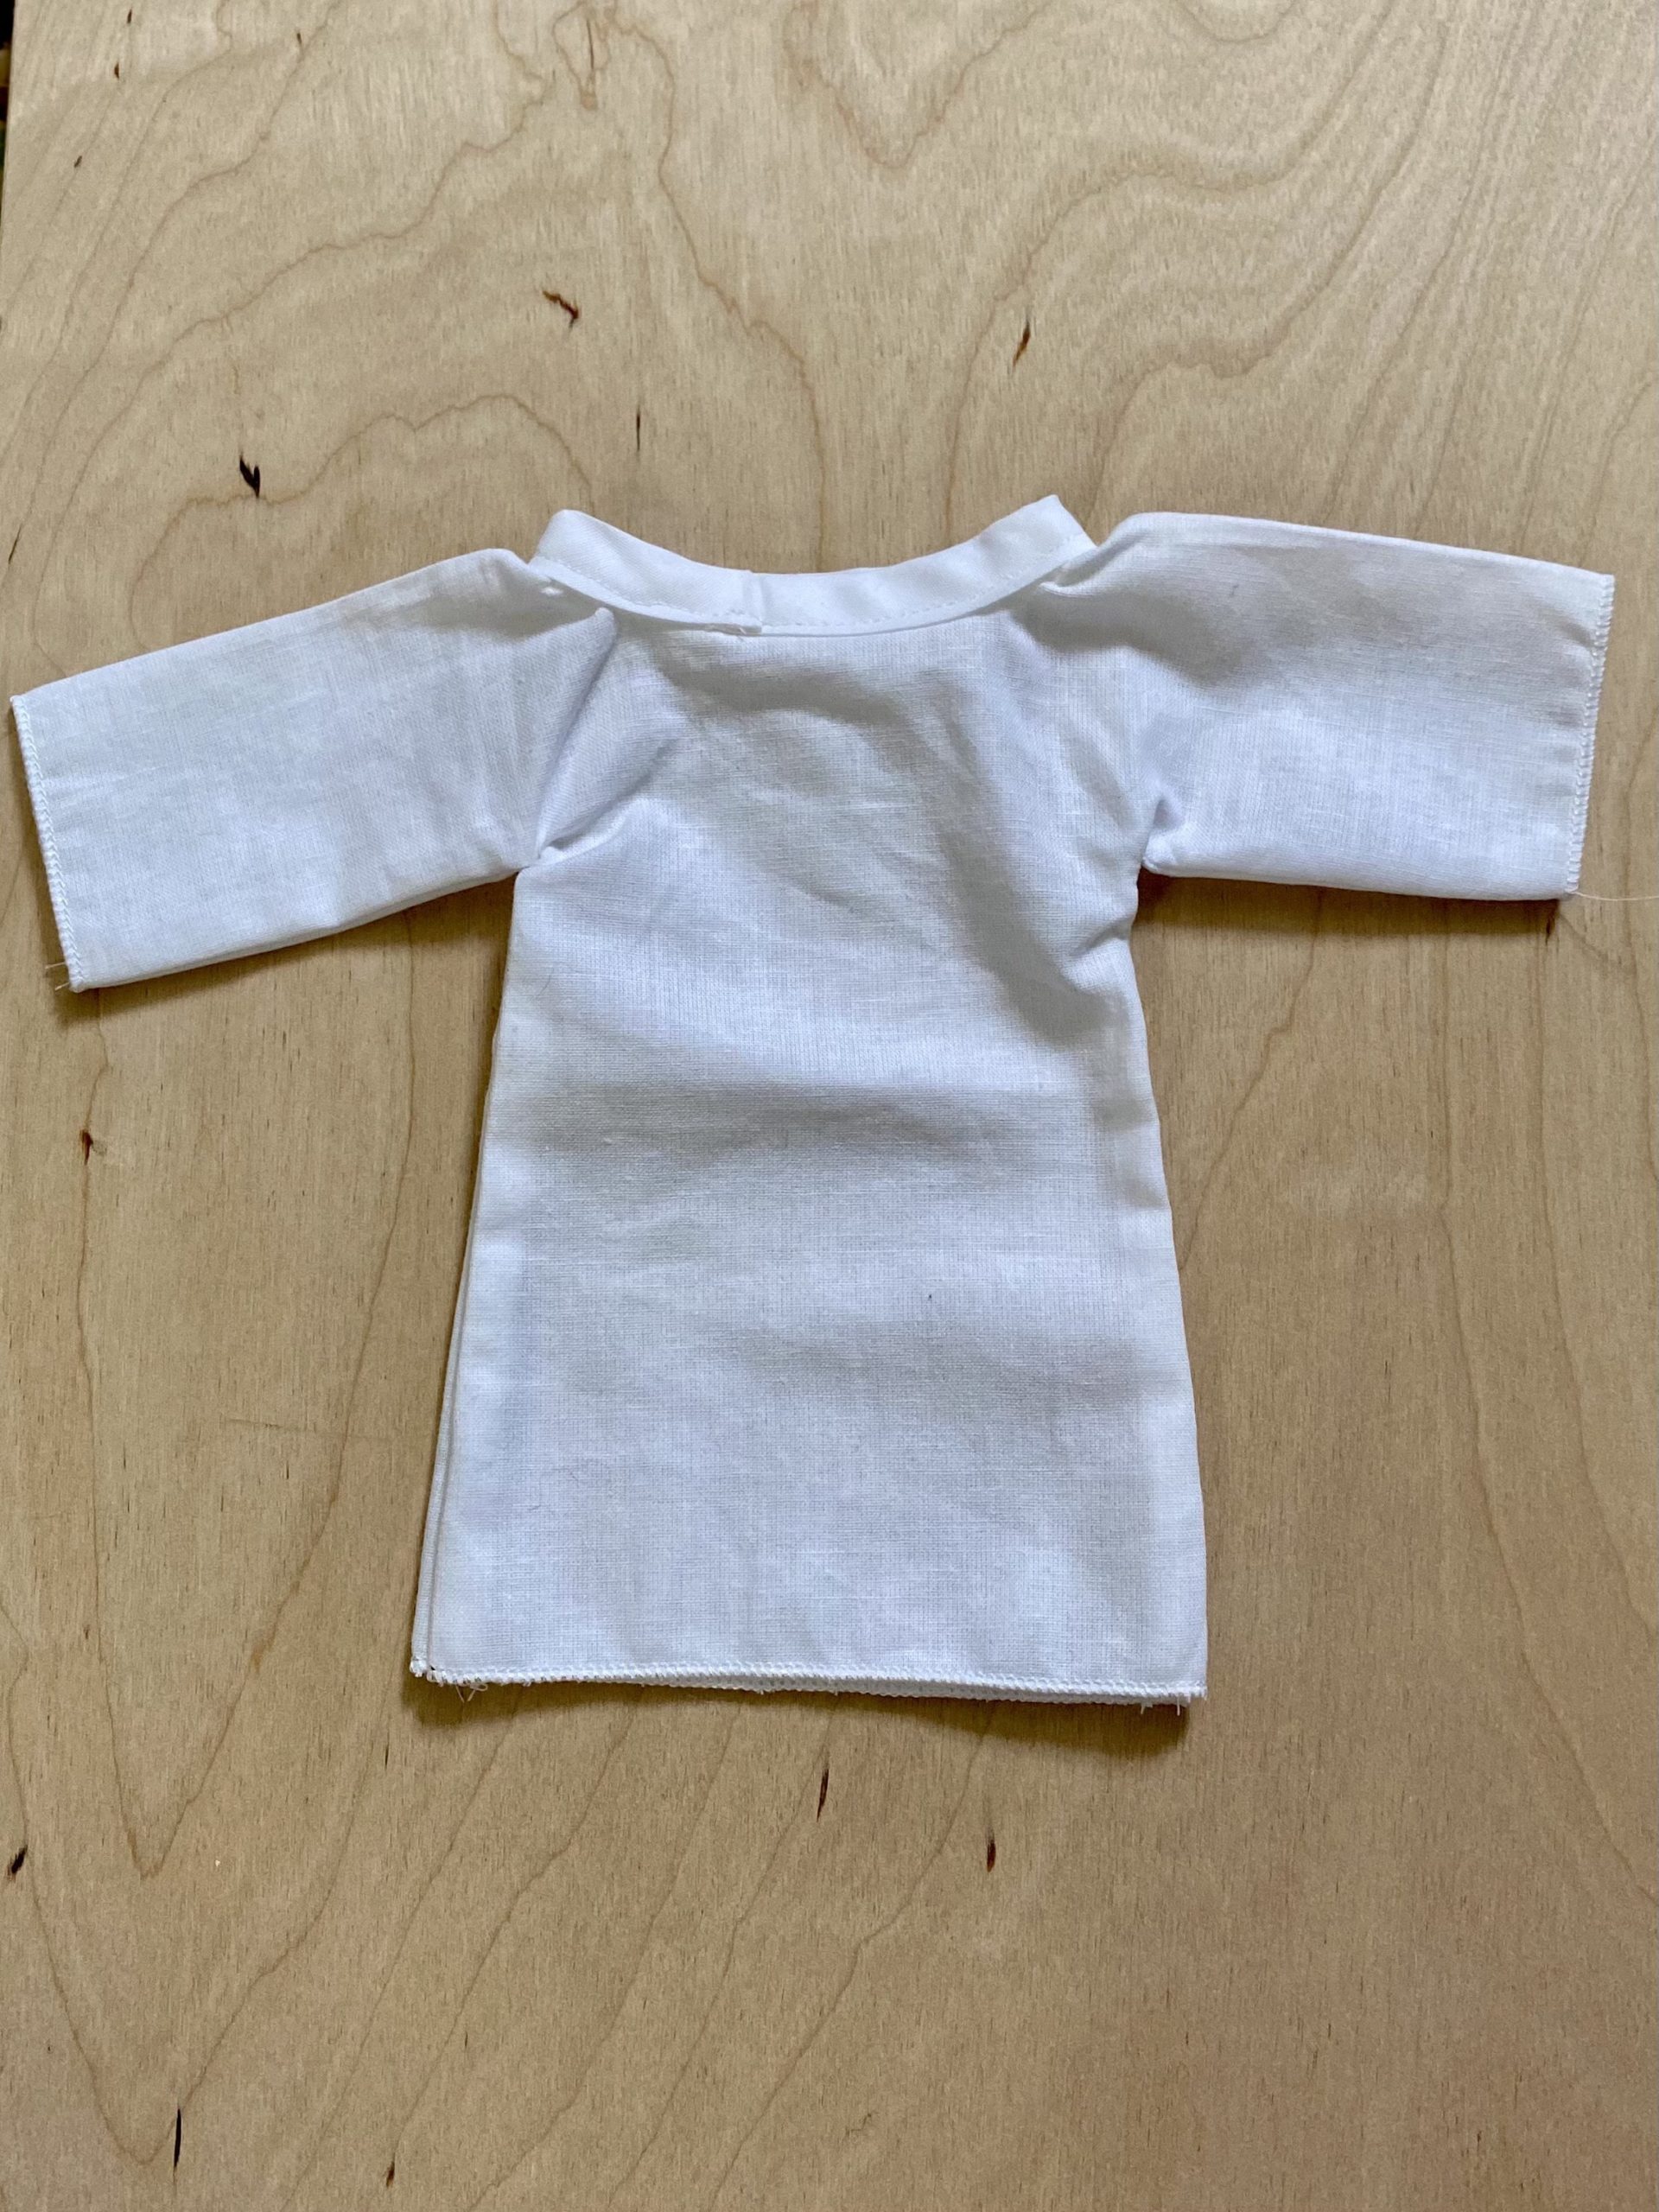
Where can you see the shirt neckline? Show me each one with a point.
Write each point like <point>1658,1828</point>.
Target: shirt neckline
<point>603,562</point>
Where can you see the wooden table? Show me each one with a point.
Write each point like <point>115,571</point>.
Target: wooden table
<point>295,298</point>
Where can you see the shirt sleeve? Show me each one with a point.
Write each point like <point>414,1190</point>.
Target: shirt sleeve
<point>1325,706</point>
<point>302,774</point>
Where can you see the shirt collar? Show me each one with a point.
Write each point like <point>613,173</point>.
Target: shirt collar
<point>605,563</point>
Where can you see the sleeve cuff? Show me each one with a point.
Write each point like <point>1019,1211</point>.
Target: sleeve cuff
<point>35,774</point>
<point>1581,815</point>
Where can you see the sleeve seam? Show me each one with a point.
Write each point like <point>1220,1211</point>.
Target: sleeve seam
<point>34,775</point>
<point>542,835</point>
<point>1581,815</point>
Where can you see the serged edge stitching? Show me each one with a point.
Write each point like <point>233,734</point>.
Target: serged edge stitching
<point>35,775</point>
<point>1587,740</point>
<point>808,1678</point>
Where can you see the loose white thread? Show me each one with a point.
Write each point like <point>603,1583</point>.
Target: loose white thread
<point>1591,898</point>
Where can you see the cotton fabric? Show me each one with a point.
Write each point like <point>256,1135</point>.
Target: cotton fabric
<point>819,1323</point>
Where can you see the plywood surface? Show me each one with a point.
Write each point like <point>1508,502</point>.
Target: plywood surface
<point>794,286</point>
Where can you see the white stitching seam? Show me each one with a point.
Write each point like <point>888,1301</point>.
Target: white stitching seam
<point>1587,742</point>
<point>809,1678</point>
<point>36,777</point>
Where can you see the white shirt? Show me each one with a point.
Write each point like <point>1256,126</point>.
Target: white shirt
<point>819,1325</point>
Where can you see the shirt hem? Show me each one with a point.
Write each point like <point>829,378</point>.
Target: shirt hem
<point>1034,1688</point>
<point>35,776</point>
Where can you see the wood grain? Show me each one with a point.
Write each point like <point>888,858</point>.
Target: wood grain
<point>1374,1928</point>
